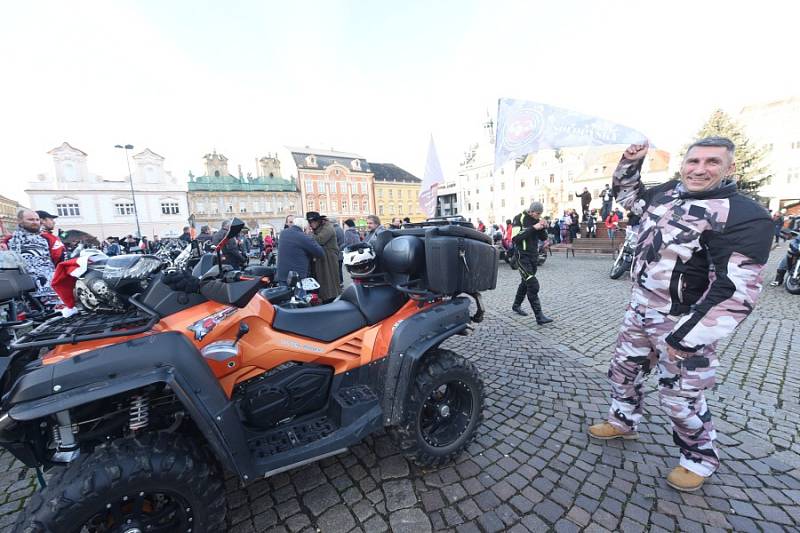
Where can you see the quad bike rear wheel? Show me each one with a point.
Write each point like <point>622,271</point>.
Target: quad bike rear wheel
<point>153,483</point>
<point>443,411</point>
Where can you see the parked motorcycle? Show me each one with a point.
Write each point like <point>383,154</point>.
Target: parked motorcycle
<point>138,412</point>
<point>624,261</point>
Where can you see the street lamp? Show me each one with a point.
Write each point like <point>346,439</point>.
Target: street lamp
<point>130,179</point>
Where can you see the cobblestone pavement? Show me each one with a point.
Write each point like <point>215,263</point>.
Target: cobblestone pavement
<point>532,467</point>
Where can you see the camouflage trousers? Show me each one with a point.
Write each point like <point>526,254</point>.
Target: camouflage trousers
<point>640,349</point>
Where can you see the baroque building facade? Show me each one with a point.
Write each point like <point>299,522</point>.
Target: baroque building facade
<point>339,185</point>
<point>262,201</point>
<point>104,206</point>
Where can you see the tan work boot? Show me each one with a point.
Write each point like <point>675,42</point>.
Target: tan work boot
<point>606,431</point>
<point>684,480</point>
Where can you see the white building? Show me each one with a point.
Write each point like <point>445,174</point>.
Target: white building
<point>104,206</point>
<point>553,177</point>
<point>777,125</point>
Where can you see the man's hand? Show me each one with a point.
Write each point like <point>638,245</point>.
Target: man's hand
<point>676,356</point>
<point>636,151</point>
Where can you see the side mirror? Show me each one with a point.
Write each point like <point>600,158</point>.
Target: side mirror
<point>292,279</point>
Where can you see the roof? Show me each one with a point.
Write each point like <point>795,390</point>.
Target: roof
<point>390,172</point>
<point>326,158</point>
<point>774,104</point>
<point>65,144</point>
<point>146,152</point>
<point>320,152</point>
<point>233,184</point>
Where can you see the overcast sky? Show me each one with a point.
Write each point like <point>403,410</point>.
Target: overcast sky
<point>372,77</point>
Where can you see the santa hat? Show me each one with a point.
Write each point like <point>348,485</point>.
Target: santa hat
<point>65,276</point>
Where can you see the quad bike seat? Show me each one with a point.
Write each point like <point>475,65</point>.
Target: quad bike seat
<point>322,322</point>
<point>375,303</point>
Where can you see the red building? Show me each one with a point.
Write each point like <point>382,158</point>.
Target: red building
<point>336,184</point>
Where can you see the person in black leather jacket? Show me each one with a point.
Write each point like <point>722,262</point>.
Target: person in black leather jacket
<point>231,255</point>
<point>526,233</point>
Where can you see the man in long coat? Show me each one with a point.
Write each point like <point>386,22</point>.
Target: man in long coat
<point>325,268</point>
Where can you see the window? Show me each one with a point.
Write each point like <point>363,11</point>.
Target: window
<point>323,206</point>
<point>552,178</point>
<point>380,210</point>
<point>310,205</point>
<point>171,208</point>
<point>410,209</point>
<point>267,206</point>
<point>362,187</point>
<point>366,206</point>
<point>522,201</point>
<point>229,209</point>
<point>380,193</point>
<point>569,197</point>
<point>522,184</point>
<point>391,193</point>
<point>201,207</point>
<point>503,186</point>
<point>309,186</point>
<point>344,206</point>
<point>502,203</point>
<point>793,175</point>
<point>123,208</point>
<point>243,207</point>
<point>68,209</point>
<point>477,205</point>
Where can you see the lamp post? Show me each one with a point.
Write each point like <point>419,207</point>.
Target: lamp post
<point>127,147</point>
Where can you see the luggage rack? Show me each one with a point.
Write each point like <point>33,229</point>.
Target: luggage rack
<point>90,326</point>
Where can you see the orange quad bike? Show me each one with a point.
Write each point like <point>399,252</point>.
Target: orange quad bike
<point>136,414</point>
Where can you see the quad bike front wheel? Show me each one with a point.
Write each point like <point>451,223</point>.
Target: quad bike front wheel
<point>443,411</point>
<point>154,483</point>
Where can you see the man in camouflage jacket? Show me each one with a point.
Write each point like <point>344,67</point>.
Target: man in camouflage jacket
<point>698,271</point>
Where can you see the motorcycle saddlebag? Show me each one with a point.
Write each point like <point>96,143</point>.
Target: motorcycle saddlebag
<point>459,260</point>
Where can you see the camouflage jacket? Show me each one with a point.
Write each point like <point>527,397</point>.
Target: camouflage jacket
<point>700,256</point>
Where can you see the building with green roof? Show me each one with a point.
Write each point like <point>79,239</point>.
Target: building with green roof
<point>262,201</point>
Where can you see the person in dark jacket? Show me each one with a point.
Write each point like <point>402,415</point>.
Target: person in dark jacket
<point>324,268</point>
<point>231,254</point>
<point>351,235</point>
<point>204,236</point>
<point>528,230</point>
<point>586,199</point>
<point>295,252</point>
<point>340,243</point>
<point>186,236</point>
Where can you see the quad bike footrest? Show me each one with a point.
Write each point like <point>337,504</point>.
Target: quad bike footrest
<point>352,414</point>
<point>285,438</point>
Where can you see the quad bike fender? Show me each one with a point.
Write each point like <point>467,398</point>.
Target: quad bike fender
<point>168,358</point>
<point>410,341</point>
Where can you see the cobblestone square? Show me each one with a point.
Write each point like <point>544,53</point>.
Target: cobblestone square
<point>532,466</point>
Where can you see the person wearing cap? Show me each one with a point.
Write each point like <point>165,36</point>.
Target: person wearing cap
<point>48,224</point>
<point>527,230</point>
<point>29,241</point>
<point>325,269</point>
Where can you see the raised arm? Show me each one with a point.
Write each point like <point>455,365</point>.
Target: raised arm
<point>627,180</point>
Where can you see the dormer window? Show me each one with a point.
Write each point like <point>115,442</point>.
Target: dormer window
<point>216,173</point>
<point>356,164</point>
<point>311,160</point>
